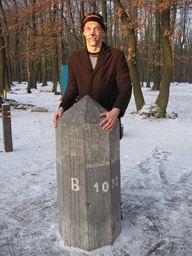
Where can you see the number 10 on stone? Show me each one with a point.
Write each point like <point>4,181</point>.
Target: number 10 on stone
<point>75,186</point>
<point>88,177</point>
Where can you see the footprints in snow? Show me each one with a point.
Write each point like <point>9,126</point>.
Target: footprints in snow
<point>160,156</point>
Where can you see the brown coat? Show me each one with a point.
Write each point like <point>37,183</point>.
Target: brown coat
<point>109,83</point>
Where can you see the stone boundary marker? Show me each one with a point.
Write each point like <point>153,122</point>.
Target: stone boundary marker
<point>7,133</point>
<point>88,177</point>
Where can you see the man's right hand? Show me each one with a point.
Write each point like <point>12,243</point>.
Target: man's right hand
<point>59,113</point>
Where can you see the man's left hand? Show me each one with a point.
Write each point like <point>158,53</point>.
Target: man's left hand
<point>110,119</point>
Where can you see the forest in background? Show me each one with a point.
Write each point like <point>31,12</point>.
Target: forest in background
<point>37,37</point>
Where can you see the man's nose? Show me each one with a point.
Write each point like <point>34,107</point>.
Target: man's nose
<point>92,31</point>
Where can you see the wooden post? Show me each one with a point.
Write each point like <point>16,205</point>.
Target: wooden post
<point>5,94</point>
<point>7,134</point>
<point>88,177</point>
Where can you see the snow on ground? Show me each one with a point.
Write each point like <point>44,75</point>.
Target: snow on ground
<point>156,180</point>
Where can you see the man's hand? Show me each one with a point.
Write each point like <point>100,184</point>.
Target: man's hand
<point>59,113</point>
<point>110,119</point>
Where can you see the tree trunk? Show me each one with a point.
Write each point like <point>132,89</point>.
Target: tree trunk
<point>17,61</point>
<point>8,77</point>
<point>43,57</point>
<point>110,29</point>
<point>29,82</point>
<point>104,14</point>
<point>139,100</point>
<point>82,10</point>
<point>61,47</point>
<point>149,51</point>
<point>2,61</point>
<point>163,97</point>
<point>182,40</point>
<point>141,54</point>
<point>184,66</point>
<point>17,53</point>
<point>180,62</point>
<point>94,3</point>
<point>29,86</point>
<point>34,76</point>
<point>190,76</point>
<point>31,65</point>
<point>55,51</point>
<point>157,67</point>
<point>44,70</point>
<point>81,17</point>
<point>115,43</point>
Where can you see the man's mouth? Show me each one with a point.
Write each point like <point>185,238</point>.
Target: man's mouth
<point>93,37</point>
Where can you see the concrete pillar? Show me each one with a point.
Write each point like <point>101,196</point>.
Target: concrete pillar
<point>88,177</point>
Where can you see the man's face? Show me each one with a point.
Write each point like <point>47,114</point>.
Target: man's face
<point>93,33</point>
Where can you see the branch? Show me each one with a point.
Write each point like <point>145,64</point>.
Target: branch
<point>69,29</point>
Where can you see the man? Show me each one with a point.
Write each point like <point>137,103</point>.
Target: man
<point>99,71</point>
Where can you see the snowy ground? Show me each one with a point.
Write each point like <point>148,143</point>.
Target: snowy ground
<point>156,186</point>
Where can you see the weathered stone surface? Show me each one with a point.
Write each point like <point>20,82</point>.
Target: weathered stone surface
<point>21,106</point>
<point>38,109</point>
<point>88,177</point>
<point>9,101</point>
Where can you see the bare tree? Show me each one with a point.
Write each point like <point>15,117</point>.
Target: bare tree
<point>166,30</point>
<point>139,100</point>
